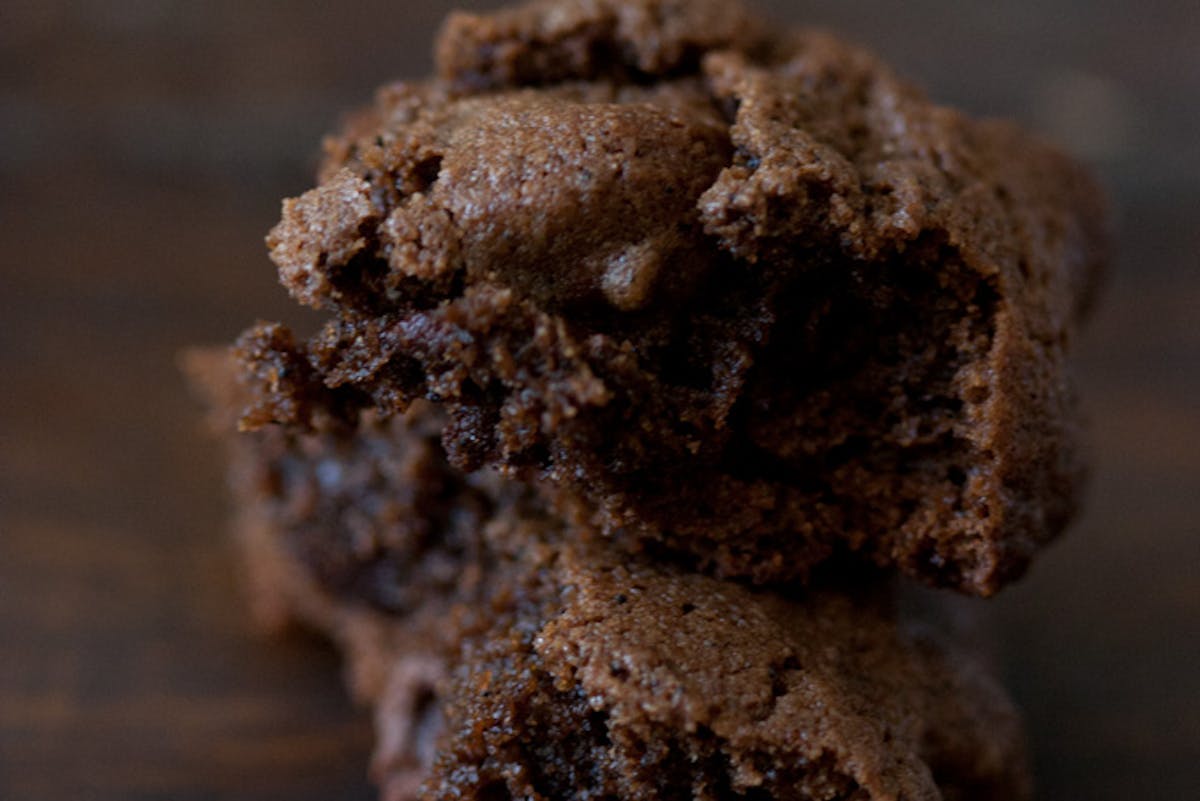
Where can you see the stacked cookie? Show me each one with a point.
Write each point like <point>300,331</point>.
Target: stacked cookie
<point>658,342</point>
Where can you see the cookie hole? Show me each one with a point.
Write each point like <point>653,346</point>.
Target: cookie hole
<point>598,724</point>
<point>428,171</point>
<point>496,791</point>
<point>779,673</point>
<point>956,476</point>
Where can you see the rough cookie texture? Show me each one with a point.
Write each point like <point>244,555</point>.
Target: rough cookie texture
<point>624,40</point>
<point>642,682</point>
<point>751,297</point>
<point>374,513</point>
<point>541,664</point>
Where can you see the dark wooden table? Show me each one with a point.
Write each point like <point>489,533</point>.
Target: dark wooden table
<point>144,147</point>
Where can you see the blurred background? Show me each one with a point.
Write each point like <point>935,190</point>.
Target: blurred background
<point>144,148</point>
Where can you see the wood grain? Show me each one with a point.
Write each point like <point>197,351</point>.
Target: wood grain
<point>143,151</point>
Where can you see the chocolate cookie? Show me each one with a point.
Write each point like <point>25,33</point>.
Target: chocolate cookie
<point>747,297</point>
<point>619,679</point>
<point>544,663</point>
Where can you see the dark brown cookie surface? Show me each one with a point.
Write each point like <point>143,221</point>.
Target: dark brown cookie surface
<point>541,664</point>
<point>751,297</point>
<point>642,682</point>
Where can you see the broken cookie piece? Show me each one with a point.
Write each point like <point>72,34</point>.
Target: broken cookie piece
<point>749,297</point>
<point>617,679</point>
<point>508,657</point>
